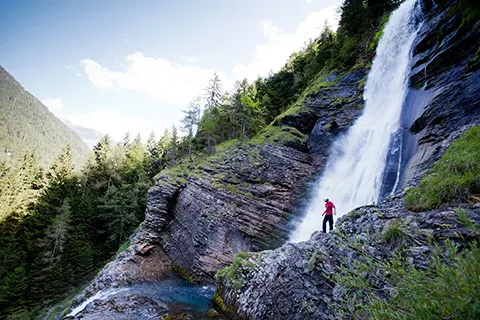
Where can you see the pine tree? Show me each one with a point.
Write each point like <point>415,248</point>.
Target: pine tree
<point>190,121</point>
<point>13,291</point>
<point>173,146</point>
<point>213,92</point>
<point>101,148</point>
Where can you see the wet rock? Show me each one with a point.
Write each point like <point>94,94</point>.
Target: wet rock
<point>441,68</point>
<point>123,308</point>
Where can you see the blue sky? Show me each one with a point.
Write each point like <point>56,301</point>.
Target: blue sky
<point>118,65</point>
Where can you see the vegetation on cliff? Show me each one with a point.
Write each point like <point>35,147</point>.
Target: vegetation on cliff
<point>255,112</point>
<point>445,288</point>
<point>245,112</point>
<point>455,177</point>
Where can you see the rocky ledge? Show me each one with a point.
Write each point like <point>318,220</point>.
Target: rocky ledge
<point>296,281</point>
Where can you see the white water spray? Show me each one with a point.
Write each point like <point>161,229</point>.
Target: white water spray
<point>353,174</point>
<point>100,295</point>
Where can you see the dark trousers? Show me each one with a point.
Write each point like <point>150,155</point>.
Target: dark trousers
<point>328,218</point>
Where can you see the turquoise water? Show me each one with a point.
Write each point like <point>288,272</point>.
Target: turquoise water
<point>179,294</point>
<point>174,297</point>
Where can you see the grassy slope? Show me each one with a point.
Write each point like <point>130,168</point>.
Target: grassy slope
<point>455,177</point>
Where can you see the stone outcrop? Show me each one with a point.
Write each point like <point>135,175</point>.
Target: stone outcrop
<point>295,281</point>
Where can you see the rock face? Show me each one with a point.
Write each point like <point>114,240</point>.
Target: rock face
<point>243,198</point>
<point>445,81</point>
<point>295,281</point>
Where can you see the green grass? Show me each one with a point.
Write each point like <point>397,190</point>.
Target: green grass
<point>280,135</point>
<point>454,178</point>
<point>395,233</point>
<point>448,289</point>
<point>123,247</point>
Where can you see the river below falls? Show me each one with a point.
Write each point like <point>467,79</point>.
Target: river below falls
<point>148,301</point>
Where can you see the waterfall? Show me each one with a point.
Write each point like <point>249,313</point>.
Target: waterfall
<point>353,174</point>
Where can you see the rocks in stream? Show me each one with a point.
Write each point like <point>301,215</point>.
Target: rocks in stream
<point>123,308</point>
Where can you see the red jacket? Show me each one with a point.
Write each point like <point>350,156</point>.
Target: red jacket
<point>329,208</point>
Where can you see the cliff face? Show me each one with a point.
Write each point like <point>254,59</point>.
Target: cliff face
<point>295,281</point>
<point>445,78</point>
<point>202,213</point>
<point>243,198</point>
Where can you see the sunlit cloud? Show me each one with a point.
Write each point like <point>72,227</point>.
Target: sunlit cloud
<point>157,77</point>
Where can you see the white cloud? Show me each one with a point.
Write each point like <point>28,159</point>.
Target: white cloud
<point>165,82</point>
<point>113,122</point>
<point>68,67</point>
<point>98,75</point>
<point>125,39</point>
<point>273,54</point>
<point>53,104</point>
<point>308,1</point>
<point>79,74</point>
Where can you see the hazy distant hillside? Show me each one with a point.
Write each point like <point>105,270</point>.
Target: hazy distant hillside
<point>27,125</point>
<point>89,136</point>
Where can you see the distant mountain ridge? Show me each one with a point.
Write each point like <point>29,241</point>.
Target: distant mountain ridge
<point>26,125</point>
<point>88,135</point>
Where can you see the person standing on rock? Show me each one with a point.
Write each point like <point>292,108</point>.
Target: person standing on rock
<point>330,210</point>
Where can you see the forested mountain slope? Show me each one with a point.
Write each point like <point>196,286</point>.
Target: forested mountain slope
<point>26,125</point>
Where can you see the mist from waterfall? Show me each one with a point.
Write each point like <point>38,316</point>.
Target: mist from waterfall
<point>353,174</point>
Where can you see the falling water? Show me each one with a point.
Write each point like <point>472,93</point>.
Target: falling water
<point>353,173</point>
<point>100,295</point>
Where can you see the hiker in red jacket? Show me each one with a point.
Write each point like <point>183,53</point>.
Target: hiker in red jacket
<point>330,210</point>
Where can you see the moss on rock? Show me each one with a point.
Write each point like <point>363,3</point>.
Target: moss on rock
<point>280,135</point>
<point>233,276</point>
<point>221,307</point>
